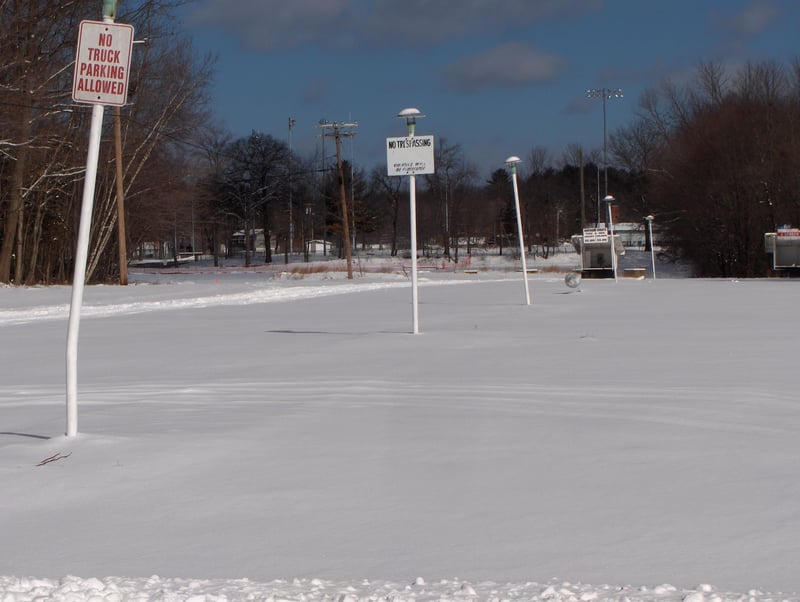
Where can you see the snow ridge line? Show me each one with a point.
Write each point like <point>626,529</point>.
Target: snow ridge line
<point>12,317</point>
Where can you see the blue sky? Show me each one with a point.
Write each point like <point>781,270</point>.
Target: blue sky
<point>498,77</point>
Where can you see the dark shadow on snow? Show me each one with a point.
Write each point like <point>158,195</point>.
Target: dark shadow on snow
<point>24,435</point>
<point>288,331</point>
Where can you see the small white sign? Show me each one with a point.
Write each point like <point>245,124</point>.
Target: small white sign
<point>409,155</point>
<point>102,63</point>
<point>594,235</point>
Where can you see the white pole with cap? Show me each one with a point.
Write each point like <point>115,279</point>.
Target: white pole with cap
<point>511,162</point>
<point>610,199</point>
<point>650,219</point>
<point>411,115</point>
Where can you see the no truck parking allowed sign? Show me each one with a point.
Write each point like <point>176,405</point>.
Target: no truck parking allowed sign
<point>102,63</point>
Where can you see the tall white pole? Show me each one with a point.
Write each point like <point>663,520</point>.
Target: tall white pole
<point>80,269</point>
<point>649,219</point>
<point>609,200</point>
<point>412,198</point>
<point>512,164</point>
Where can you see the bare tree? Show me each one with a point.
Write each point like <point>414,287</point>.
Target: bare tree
<point>726,170</point>
<point>454,174</point>
<point>713,81</point>
<point>635,147</point>
<point>388,189</point>
<point>254,176</point>
<point>538,160</point>
<point>45,134</point>
<point>36,42</point>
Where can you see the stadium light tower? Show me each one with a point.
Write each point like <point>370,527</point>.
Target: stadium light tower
<point>604,93</point>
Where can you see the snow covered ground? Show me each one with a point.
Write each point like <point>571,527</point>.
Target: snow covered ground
<point>277,436</point>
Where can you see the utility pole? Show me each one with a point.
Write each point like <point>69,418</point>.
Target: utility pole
<point>121,230</point>
<point>322,122</point>
<point>353,192</point>
<point>337,130</point>
<point>291,223</point>
<point>583,193</point>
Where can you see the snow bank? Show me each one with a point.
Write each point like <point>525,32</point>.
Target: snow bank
<point>118,589</point>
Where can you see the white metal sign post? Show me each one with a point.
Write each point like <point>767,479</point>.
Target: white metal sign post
<point>411,156</point>
<point>101,77</point>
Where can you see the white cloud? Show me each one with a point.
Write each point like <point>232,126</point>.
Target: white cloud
<point>511,65</point>
<point>277,24</point>
<point>755,18</point>
<point>432,21</point>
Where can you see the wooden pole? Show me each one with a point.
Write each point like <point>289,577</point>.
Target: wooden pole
<point>343,202</point>
<point>123,249</point>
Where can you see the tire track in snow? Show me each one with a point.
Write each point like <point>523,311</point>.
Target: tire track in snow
<point>746,411</point>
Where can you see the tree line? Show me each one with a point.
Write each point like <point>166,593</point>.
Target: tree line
<point>716,160</point>
<point>720,161</point>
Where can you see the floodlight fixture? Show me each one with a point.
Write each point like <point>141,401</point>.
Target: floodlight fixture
<point>337,126</point>
<point>604,93</point>
<point>411,115</point>
<point>512,161</point>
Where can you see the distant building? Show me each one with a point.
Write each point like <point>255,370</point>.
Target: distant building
<point>784,247</point>
<point>319,247</point>
<point>631,234</point>
<point>598,251</point>
<point>257,241</point>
